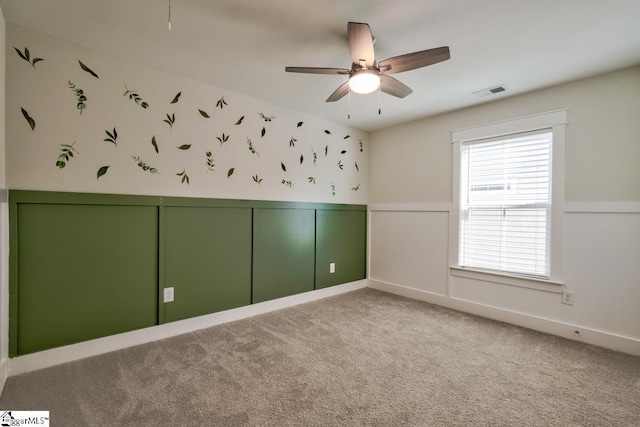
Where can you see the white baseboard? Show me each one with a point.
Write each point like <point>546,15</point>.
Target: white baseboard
<point>553,327</point>
<point>56,356</point>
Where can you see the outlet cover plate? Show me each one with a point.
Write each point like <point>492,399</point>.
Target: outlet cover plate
<point>332,267</point>
<point>168,294</point>
<point>567,297</point>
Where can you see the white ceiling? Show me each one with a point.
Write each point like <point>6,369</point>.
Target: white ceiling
<point>244,45</point>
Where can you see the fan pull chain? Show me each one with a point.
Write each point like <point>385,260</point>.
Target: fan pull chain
<point>379,108</point>
<point>349,104</point>
<point>169,19</point>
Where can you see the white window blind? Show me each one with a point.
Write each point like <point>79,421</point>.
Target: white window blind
<point>505,205</point>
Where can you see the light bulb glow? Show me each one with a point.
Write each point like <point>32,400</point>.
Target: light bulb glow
<point>364,81</point>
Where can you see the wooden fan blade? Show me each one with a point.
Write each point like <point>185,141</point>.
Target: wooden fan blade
<point>360,43</point>
<point>394,87</point>
<point>316,70</point>
<point>340,92</point>
<point>414,60</point>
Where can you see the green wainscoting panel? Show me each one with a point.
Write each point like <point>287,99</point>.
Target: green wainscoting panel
<point>84,272</point>
<point>207,259</point>
<point>340,239</point>
<point>284,252</point>
<point>86,265</point>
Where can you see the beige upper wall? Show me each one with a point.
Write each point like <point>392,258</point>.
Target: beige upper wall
<point>2,84</point>
<point>412,163</point>
<point>243,148</point>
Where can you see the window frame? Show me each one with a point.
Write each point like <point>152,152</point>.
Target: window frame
<point>555,121</point>
<point>500,196</point>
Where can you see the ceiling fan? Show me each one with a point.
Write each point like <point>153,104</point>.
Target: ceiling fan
<point>366,74</point>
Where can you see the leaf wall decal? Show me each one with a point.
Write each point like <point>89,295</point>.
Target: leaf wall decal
<point>22,55</point>
<point>176,98</point>
<point>266,118</point>
<point>111,137</point>
<point>204,114</point>
<point>292,142</point>
<point>27,56</point>
<point>300,124</point>
<point>230,172</point>
<point>102,171</point>
<point>239,122</point>
<point>184,146</point>
<point>301,158</point>
<point>145,167</point>
<point>67,151</point>
<point>184,177</point>
<point>326,150</point>
<point>222,139</point>
<point>155,144</point>
<point>347,137</point>
<point>135,97</point>
<point>252,148</point>
<point>262,132</point>
<point>343,152</point>
<point>210,164</point>
<point>29,119</point>
<point>357,168</point>
<point>81,97</point>
<point>257,179</point>
<point>221,103</point>
<point>170,120</point>
<point>87,69</point>
<point>327,131</point>
<point>284,168</point>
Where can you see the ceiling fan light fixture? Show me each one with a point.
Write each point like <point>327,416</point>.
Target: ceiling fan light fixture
<point>364,81</point>
<point>366,74</point>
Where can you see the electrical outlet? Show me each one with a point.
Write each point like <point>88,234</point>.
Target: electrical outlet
<point>567,297</point>
<point>332,267</point>
<point>168,294</point>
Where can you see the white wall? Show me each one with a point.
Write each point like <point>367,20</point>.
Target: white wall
<point>410,195</point>
<point>4,223</point>
<point>43,91</point>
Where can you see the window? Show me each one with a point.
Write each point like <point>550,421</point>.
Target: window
<point>508,201</point>
<point>505,204</point>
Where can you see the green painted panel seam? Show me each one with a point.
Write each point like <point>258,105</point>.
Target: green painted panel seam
<point>315,249</point>
<point>161,260</point>
<point>253,250</point>
<point>13,280</point>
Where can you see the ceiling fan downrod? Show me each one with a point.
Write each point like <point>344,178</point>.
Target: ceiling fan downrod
<point>169,18</point>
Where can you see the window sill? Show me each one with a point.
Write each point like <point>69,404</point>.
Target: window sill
<point>540,284</point>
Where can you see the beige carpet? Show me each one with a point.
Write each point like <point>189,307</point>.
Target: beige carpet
<point>365,358</point>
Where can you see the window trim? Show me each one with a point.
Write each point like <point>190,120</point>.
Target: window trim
<point>556,121</point>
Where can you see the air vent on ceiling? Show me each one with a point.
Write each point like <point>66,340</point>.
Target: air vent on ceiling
<point>490,91</point>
